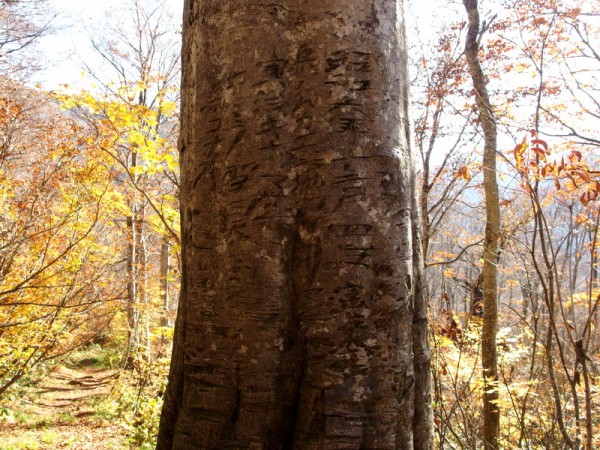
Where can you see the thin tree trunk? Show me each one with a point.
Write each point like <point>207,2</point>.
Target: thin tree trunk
<point>491,413</point>
<point>142,275</point>
<point>423,416</point>
<point>165,295</point>
<point>297,325</point>
<point>132,286</point>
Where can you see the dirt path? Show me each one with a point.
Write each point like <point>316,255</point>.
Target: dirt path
<point>59,413</point>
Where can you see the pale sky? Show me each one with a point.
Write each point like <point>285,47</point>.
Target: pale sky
<point>66,50</point>
<point>69,47</point>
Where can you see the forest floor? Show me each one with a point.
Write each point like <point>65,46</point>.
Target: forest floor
<point>58,413</point>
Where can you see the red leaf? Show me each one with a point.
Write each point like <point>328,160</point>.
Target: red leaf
<point>537,142</point>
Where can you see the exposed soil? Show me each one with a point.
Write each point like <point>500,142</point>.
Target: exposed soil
<point>60,413</point>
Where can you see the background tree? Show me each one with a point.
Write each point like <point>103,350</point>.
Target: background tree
<point>134,119</point>
<point>55,266</point>
<point>23,24</point>
<point>489,272</point>
<point>534,45</point>
<point>71,180</point>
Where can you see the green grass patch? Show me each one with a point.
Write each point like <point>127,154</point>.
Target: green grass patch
<point>21,444</point>
<point>107,357</point>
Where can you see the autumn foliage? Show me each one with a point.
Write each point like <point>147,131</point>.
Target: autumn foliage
<point>89,227</point>
<point>541,62</point>
<point>89,222</point>
<point>56,266</point>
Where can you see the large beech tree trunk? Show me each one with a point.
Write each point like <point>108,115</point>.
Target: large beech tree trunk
<point>301,280</point>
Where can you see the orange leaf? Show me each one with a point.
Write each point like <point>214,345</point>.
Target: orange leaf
<point>585,198</point>
<point>575,156</point>
<point>548,169</point>
<point>557,183</point>
<point>583,174</point>
<point>464,173</point>
<point>540,153</point>
<point>518,151</point>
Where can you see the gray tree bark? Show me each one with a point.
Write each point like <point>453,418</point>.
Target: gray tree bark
<point>301,281</point>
